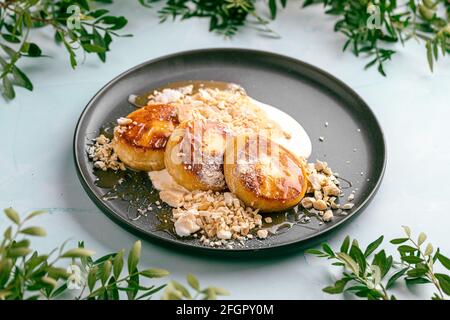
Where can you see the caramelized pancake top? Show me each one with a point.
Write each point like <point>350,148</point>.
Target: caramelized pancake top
<point>267,169</point>
<point>151,127</point>
<point>200,149</point>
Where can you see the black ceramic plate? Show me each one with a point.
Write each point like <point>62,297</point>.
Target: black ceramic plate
<point>353,142</point>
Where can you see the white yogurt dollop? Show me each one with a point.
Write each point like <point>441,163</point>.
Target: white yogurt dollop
<point>299,143</point>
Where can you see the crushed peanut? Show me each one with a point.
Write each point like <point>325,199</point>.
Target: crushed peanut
<point>268,219</point>
<point>232,107</point>
<point>348,206</point>
<point>102,154</point>
<point>323,191</point>
<point>218,215</point>
<point>327,216</point>
<point>262,233</point>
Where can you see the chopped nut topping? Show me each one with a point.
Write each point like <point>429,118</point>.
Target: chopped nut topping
<point>318,195</point>
<point>331,190</point>
<point>268,219</point>
<point>307,202</point>
<point>262,234</point>
<point>219,215</point>
<point>324,185</point>
<point>348,206</point>
<point>319,165</point>
<point>103,155</point>
<point>320,205</point>
<point>327,216</point>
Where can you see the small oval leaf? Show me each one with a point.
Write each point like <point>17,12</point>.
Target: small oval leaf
<point>34,231</point>
<point>77,253</point>
<point>118,263</point>
<point>193,282</point>
<point>154,273</point>
<point>134,256</point>
<point>12,215</point>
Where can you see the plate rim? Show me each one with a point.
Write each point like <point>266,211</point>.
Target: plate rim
<point>123,222</point>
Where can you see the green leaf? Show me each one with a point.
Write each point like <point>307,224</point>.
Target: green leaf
<point>399,240</point>
<point>6,266</point>
<point>115,23</point>
<point>92,278</point>
<point>77,253</point>
<point>98,13</point>
<point>154,273</point>
<point>328,249</point>
<point>193,282</point>
<point>314,252</point>
<point>106,271</point>
<point>422,238</point>
<point>98,40</point>
<point>118,263</point>
<point>21,243</point>
<point>12,215</point>
<point>376,273</point>
<point>73,60</point>
<point>395,277</point>
<point>179,287</point>
<point>10,38</point>
<point>8,233</point>
<point>8,90</point>
<point>27,19</point>
<point>93,48</point>
<point>345,244</point>
<point>34,231</point>
<point>373,246</point>
<point>34,261</point>
<point>425,12</point>
<point>134,256</point>
<point>412,259</point>
<point>417,272</point>
<point>49,281</point>
<point>349,262</point>
<point>413,281</point>
<point>59,291</point>
<point>383,262</point>
<point>8,50</point>
<point>273,8</point>
<point>34,50</point>
<point>57,273</point>
<point>18,252</point>
<point>444,260</point>
<point>337,288</point>
<point>357,254</point>
<point>406,248</point>
<point>210,294</point>
<point>444,282</point>
<point>150,292</point>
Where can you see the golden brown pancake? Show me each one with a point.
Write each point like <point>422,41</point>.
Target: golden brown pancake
<point>194,155</point>
<point>263,174</point>
<point>141,143</point>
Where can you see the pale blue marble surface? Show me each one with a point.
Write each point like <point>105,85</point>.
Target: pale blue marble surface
<point>413,106</point>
